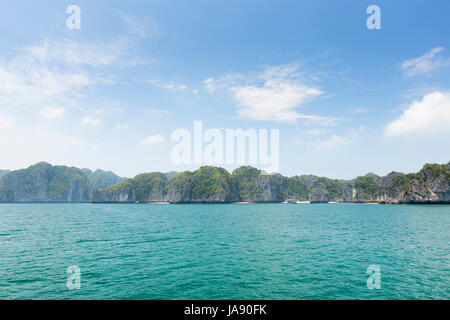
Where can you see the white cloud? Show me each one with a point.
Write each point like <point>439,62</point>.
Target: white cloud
<point>271,95</point>
<point>52,113</point>
<point>31,85</point>
<point>6,121</point>
<point>318,138</point>
<point>332,142</point>
<point>72,53</point>
<point>315,132</point>
<point>274,101</point>
<point>426,63</point>
<point>91,121</point>
<point>141,27</point>
<point>284,71</point>
<point>172,86</point>
<point>158,138</point>
<point>227,81</point>
<point>118,52</point>
<point>59,71</point>
<point>431,115</point>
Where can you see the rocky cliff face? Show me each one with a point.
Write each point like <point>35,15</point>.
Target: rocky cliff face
<point>100,179</point>
<point>205,185</point>
<point>3,172</point>
<point>253,185</point>
<point>429,185</point>
<point>180,190</point>
<point>45,183</point>
<point>146,187</point>
<point>318,189</point>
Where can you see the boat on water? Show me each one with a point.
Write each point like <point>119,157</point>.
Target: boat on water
<point>294,201</point>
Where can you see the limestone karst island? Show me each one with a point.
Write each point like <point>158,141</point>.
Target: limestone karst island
<point>45,183</point>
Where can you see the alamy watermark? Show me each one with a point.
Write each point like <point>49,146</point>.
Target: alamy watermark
<point>227,146</point>
<point>374,280</point>
<point>74,279</point>
<point>73,22</point>
<point>374,20</point>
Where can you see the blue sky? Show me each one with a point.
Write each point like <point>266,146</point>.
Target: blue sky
<point>346,100</point>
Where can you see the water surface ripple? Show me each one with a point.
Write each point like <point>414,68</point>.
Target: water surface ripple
<point>232,251</point>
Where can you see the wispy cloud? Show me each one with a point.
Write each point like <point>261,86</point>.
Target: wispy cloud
<point>321,139</point>
<point>426,63</point>
<point>333,142</point>
<point>51,113</point>
<point>315,132</point>
<point>142,27</point>
<point>91,121</point>
<point>29,83</point>
<point>275,101</point>
<point>74,53</point>
<point>227,81</point>
<point>274,94</point>
<point>172,86</point>
<point>56,71</point>
<point>429,116</point>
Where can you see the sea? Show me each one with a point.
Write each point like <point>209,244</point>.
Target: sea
<point>224,251</point>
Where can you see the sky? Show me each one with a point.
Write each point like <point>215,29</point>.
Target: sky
<point>345,99</point>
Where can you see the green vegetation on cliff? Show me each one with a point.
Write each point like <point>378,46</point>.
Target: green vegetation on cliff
<point>251,184</point>
<point>245,181</point>
<point>101,179</point>
<point>296,189</point>
<point>145,187</point>
<point>180,189</point>
<point>366,186</point>
<point>46,183</point>
<point>207,184</point>
<point>435,171</point>
<point>43,182</point>
<point>150,186</point>
<point>211,184</point>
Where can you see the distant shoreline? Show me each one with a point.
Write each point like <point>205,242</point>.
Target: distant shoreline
<point>44,183</point>
<point>237,202</point>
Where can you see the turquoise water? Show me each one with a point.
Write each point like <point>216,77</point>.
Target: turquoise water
<point>235,251</point>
